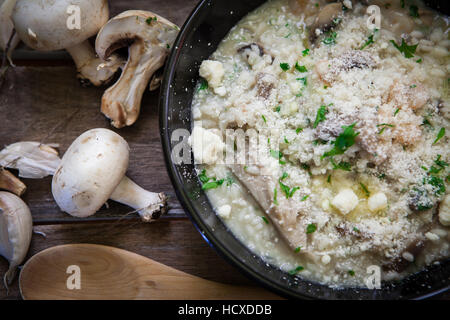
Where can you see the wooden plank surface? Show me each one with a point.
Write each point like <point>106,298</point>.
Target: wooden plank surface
<point>42,96</point>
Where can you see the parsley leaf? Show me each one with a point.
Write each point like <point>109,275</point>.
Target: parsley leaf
<point>346,166</point>
<point>294,271</point>
<point>305,52</point>
<point>440,135</point>
<point>300,68</point>
<point>321,112</point>
<point>366,191</point>
<point>298,130</point>
<point>408,51</point>
<point>265,220</point>
<point>331,39</point>
<point>287,191</point>
<point>368,42</point>
<point>312,227</point>
<point>285,66</point>
<point>212,184</point>
<point>344,141</point>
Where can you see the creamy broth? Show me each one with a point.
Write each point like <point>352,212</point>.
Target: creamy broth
<point>355,169</point>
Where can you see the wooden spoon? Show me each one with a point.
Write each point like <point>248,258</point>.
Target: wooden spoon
<point>111,273</point>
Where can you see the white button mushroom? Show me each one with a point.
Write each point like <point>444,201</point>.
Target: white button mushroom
<point>42,25</point>
<point>93,170</point>
<point>16,229</point>
<point>345,201</point>
<point>151,38</point>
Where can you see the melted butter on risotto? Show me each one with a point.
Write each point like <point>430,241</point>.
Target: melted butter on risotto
<point>352,123</point>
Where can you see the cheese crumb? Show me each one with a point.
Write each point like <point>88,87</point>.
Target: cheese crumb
<point>326,259</point>
<point>213,72</point>
<point>345,201</point>
<point>224,211</point>
<point>432,236</point>
<point>207,146</point>
<point>377,202</point>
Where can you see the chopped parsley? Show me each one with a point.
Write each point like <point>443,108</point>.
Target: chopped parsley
<point>419,60</point>
<point>440,135</point>
<point>344,141</point>
<point>329,178</point>
<point>287,191</point>
<point>408,51</point>
<point>346,166</point>
<point>413,86</point>
<point>437,184</point>
<point>285,66</point>
<point>286,140</point>
<point>212,184</point>
<point>331,39</point>
<point>305,197</point>
<point>284,176</point>
<point>351,272</point>
<point>265,220</point>
<point>277,109</point>
<point>368,42</point>
<point>275,193</point>
<point>364,188</point>
<point>414,11</point>
<point>296,270</point>
<point>300,68</point>
<point>298,249</point>
<point>356,229</point>
<point>305,52</point>
<point>440,163</point>
<point>321,112</point>
<point>384,126</point>
<point>277,155</point>
<point>203,85</point>
<point>396,111</point>
<point>298,130</point>
<point>150,19</point>
<point>264,118</point>
<point>203,177</point>
<point>312,227</point>
<point>304,80</point>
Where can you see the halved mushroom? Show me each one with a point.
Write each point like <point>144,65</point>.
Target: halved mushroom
<point>42,25</point>
<point>93,170</point>
<point>327,18</point>
<point>150,38</point>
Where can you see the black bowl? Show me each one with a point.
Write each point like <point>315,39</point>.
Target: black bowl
<point>205,28</point>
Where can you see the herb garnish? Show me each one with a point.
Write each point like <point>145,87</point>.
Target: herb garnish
<point>346,166</point>
<point>366,191</point>
<point>396,111</point>
<point>300,68</point>
<point>344,141</point>
<point>321,112</point>
<point>298,130</point>
<point>294,271</point>
<point>264,118</point>
<point>414,11</point>
<point>265,220</point>
<point>440,135</point>
<point>275,193</point>
<point>304,198</point>
<point>150,19</point>
<point>368,42</point>
<point>285,66</point>
<point>408,51</point>
<point>312,227</point>
<point>203,85</point>
<point>384,126</point>
<point>331,39</point>
<point>351,272</point>
<point>305,52</point>
<point>298,249</point>
<point>287,191</point>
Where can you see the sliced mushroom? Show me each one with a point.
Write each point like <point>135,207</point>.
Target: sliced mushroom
<point>326,19</point>
<point>42,25</point>
<point>399,264</point>
<point>11,183</point>
<point>93,170</point>
<point>150,38</point>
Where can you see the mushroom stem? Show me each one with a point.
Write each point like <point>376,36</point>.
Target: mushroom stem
<point>90,68</point>
<point>9,182</point>
<point>119,102</point>
<point>148,204</point>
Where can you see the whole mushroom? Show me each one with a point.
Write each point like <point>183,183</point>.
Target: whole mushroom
<point>8,38</point>
<point>43,26</point>
<point>93,170</point>
<point>16,229</point>
<point>149,38</point>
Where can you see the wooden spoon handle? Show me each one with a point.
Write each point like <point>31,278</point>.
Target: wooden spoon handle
<point>86,271</point>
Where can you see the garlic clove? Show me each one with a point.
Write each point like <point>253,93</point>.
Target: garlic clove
<point>33,159</point>
<point>16,229</point>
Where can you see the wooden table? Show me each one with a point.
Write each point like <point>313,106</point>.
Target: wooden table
<point>41,96</point>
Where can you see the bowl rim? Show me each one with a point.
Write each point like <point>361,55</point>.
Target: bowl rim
<point>208,236</point>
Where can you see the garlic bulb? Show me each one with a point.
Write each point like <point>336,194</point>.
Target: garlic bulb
<point>16,228</point>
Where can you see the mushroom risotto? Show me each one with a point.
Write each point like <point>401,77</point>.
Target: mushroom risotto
<point>320,136</point>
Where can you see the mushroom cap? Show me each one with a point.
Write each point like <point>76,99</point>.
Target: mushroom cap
<point>42,24</point>
<point>90,171</point>
<point>131,25</point>
<point>15,223</point>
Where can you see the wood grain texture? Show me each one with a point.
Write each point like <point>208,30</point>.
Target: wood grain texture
<point>108,273</point>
